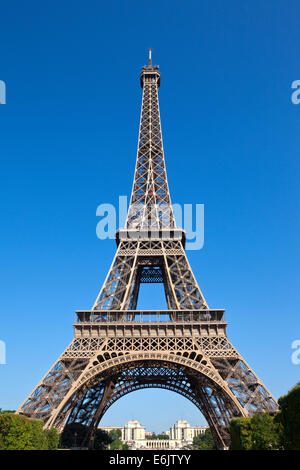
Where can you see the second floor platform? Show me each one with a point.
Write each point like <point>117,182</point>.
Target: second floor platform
<point>128,323</point>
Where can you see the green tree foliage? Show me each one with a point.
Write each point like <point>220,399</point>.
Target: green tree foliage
<point>288,419</point>
<point>260,432</point>
<point>73,435</point>
<point>18,432</point>
<point>39,439</point>
<point>265,432</point>
<point>52,437</point>
<point>204,441</point>
<point>111,440</point>
<point>116,444</point>
<point>102,440</point>
<point>115,434</point>
<point>158,436</point>
<point>240,434</point>
<point>115,437</point>
<point>15,432</point>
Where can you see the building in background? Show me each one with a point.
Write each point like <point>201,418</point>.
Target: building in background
<point>112,428</point>
<point>132,431</point>
<point>180,435</point>
<point>182,430</point>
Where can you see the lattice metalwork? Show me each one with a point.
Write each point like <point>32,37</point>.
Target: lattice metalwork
<point>117,349</point>
<point>167,257</point>
<point>200,390</point>
<point>150,204</point>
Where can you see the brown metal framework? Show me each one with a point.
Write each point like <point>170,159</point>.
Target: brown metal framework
<point>117,349</point>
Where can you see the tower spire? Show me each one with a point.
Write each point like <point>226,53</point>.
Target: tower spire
<point>150,205</point>
<point>150,57</point>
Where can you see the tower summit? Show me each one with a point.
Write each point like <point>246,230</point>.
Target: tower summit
<point>118,349</point>
<point>150,205</point>
<point>150,71</point>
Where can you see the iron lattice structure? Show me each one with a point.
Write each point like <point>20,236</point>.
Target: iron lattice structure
<point>118,349</point>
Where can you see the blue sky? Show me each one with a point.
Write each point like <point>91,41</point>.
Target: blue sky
<point>68,143</point>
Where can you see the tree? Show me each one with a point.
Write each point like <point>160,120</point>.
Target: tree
<point>73,435</point>
<point>259,432</point>
<point>115,434</point>
<point>18,432</point>
<point>288,419</point>
<point>102,440</point>
<point>240,434</point>
<point>116,444</point>
<point>15,432</point>
<point>38,436</point>
<point>265,432</point>
<point>158,436</point>
<point>204,441</point>
<point>52,438</point>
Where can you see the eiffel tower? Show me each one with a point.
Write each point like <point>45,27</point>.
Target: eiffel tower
<point>118,349</point>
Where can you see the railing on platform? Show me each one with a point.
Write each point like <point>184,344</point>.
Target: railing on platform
<point>146,316</point>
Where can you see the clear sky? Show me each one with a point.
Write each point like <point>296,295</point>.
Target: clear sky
<point>68,143</point>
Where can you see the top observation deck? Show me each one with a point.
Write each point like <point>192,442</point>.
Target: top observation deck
<point>150,71</point>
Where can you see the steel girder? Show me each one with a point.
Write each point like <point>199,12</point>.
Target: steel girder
<point>120,290</point>
<point>89,364</point>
